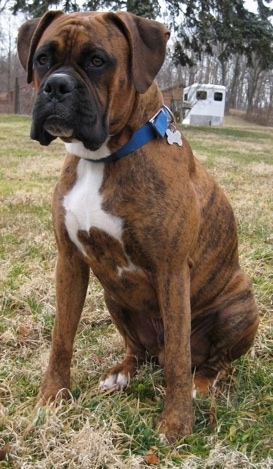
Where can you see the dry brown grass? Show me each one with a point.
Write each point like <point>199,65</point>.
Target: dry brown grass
<point>116,431</point>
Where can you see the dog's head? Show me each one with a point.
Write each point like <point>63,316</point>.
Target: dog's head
<point>87,68</point>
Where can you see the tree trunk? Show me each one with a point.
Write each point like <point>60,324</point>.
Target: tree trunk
<point>232,100</point>
<point>253,78</point>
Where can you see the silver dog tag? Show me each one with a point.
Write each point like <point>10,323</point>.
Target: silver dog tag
<point>174,136</point>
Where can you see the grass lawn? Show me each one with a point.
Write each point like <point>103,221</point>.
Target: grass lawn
<point>233,425</point>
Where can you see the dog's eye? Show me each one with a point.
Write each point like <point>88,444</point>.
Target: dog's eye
<point>96,61</point>
<point>43,60</point>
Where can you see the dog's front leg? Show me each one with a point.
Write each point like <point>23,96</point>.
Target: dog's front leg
<point>174,296</point>
<point>72,276</point>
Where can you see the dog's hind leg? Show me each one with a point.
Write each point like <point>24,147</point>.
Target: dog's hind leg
<point>231,336</point>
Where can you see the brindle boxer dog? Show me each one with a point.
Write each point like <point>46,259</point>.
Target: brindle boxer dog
<point>150,222</point>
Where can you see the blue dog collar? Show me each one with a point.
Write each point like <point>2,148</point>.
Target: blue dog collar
<point>161,124</point>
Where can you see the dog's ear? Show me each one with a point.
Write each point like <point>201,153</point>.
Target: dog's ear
<point>147,40</point>
<point>25,34</point>
<point>29,36</point>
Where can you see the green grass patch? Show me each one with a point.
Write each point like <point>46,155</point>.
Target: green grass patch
<point>239,134</point>
<point>233,425</point>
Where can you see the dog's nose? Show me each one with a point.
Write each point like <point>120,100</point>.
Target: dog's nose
<point>58,85</point>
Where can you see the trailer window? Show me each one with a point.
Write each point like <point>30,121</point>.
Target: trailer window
<point>218,96</point>
<point>201,95</point>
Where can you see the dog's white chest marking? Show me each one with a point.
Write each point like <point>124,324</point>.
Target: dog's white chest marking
<point>83,205</point>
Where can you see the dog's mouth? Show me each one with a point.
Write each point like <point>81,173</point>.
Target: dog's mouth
<point>74,115</point>
<point>56,127</point>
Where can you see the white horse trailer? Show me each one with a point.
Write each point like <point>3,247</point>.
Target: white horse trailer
<point>204,104</point>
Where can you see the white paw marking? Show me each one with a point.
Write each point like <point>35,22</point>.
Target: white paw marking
<point>163,439</point>
<point>115,382</point>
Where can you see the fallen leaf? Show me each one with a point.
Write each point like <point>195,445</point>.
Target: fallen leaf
<point>4,451</point>
<point>151,458</point>
<point>212,417</point>
<point>24,329</point>
<point>97,358</point>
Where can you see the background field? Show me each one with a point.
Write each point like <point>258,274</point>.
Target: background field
<point>233,426</point>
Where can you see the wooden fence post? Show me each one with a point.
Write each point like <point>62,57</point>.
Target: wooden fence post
<point>17,97</point>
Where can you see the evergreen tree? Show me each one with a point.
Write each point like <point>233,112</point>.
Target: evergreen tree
<point>148,8</point>
<point>223,28</point>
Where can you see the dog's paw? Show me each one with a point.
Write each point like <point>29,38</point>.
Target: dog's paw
<point>174,425</point>
<point>45,398</point>
<point>114,382</point>
<point>203,385</point>
<point>54,387</point>
<point>170,432</point>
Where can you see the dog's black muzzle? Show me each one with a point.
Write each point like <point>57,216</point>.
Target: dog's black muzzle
<point>65,108</point>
